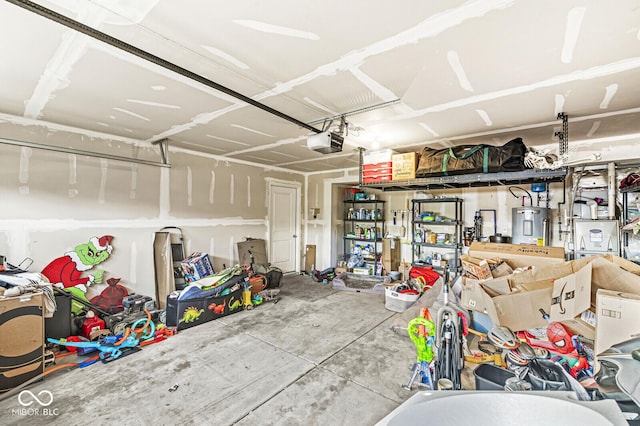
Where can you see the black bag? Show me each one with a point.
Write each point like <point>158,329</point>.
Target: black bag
<point>545,374</point>
<point>472,159</point>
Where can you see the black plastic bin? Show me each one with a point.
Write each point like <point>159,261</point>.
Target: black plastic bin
<point>491,377</point>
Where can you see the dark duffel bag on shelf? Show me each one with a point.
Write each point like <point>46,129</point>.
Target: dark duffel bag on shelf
<point>472,159</point>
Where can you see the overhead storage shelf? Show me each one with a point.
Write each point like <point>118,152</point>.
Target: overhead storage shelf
<point>631,188</point>
<point>472,180</point>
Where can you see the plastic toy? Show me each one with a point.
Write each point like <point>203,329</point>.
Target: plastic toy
<point>421,331</point>
<point>107,351</point>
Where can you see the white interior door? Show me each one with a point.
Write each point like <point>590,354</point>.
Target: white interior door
<point>283,226</point>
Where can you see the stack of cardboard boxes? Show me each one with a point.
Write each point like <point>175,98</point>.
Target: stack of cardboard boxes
<point>597,297</point>
<point>385,166</point>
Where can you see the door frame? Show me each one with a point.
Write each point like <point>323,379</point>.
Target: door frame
<point>297,187</point>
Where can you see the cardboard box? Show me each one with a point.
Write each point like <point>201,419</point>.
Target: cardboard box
<point>584,325</point>
<point>258,249</point>
<point>471,296</point>
<point>617,318</point>
<point>518,255</point>
<point>391,254</point>
<point>608,273</point>
<point>21,339</point>
<point>196,267</point>
<point>517,305</point>
<point>189,313</point>
<point>373,157</point>
<point>404,165</point>
<point>478,269</point>
<point>14,377</point>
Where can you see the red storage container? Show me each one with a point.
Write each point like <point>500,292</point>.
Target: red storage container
<point>91,323</point>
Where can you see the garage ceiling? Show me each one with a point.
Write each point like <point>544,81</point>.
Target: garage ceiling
<point>404,75</point>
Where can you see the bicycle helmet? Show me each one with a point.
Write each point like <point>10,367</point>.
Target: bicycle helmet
<point>503,337</point>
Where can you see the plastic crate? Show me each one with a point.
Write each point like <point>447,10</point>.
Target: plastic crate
<point>398,302</point>
<point>491,377</point>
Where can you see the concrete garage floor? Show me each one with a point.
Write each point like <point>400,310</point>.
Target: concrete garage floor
<point>317,357</point>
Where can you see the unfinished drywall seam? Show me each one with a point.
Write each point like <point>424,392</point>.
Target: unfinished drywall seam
<point>212,246</point>
<point>484,117</point>
<point>305,236</point>
<point>133,263</point>
<point>610,92</point>
<point>248,191</point>
<point>429,129</point>
<point>102,192</point>
<point>18,243</point>
<point>189,186</point>
<point>234,160</point>
<point>73,176</point>
<point>23,173</point>
<point>212,187</point>
<point>164,189</point>
<point>134,182</point>
<point>55,127</point>
<point>458,70</point>
<point>430,27</point>
<point>593,129</point>
<point>559,104</point>
<point>588,74</point>
<point>572,30</point>
<point>263,147</point>
<point>232,189</point>
<point>233,258</point>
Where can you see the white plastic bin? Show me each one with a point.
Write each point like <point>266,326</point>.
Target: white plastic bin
<point>398,302</point>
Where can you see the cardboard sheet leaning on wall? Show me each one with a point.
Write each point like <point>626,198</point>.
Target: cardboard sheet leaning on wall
<point>167,253</point>
<point>254,250</point>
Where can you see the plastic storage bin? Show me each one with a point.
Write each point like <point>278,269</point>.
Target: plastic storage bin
<point>398,302</point>
<point>491,377</point>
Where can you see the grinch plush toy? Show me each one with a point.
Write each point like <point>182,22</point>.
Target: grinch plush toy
<point>65,272</point>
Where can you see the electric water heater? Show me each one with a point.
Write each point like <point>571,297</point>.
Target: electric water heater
<point>530,225</point>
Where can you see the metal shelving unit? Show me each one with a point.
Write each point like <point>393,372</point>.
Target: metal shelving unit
<point>363,224</point>
<point>448,217</point>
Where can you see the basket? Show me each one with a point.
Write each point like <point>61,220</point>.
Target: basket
<point>491,377</point>
<point>398,302</point>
